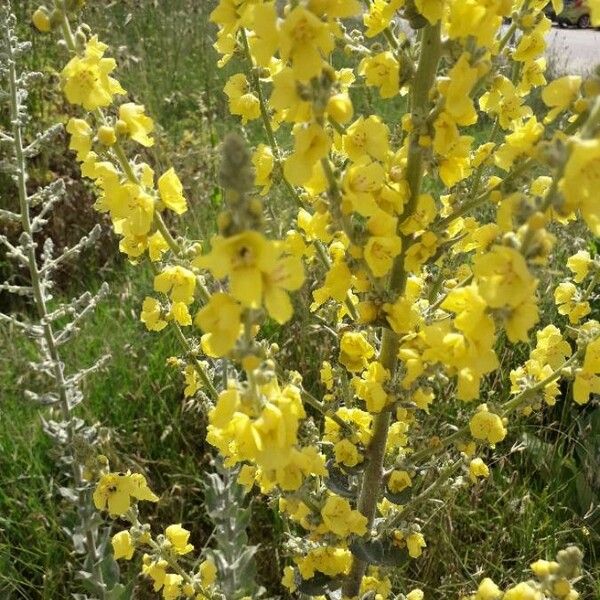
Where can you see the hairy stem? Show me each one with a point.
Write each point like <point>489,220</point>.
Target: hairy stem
<point>373,474</point>
<point>39,296</point>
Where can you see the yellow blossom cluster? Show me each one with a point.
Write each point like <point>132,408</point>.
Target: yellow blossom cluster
<point>422,245</point>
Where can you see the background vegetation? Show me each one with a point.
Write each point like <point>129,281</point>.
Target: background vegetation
<point>545,488</point>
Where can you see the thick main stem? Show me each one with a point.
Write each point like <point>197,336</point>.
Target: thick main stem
<point>40,297</point>
<point>373,474</point>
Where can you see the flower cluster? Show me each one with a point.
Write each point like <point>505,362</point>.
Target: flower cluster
<point>118,493</point>
<point>553,579</point>
<point>424,244</point>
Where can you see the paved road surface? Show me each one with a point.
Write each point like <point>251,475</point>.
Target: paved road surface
<point>573,51</point>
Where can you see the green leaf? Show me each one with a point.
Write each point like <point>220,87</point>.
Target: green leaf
<point>398,498</point>
<point>318,584</point>
<point>379,552</point>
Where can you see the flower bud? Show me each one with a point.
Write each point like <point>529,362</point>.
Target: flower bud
<point>106,135</point>
<point>41,19</point>
<point>121,127</point>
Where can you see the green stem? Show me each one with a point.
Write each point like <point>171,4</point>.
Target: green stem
<point>212,390</point>
<point>372,478</point>
<point>590,288</point>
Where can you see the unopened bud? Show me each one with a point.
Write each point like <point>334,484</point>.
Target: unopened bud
<point>121,127</point>
<point>41,19</point>
<point>107,135</point>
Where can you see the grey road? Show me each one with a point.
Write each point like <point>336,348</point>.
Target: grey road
<point>572,51</point>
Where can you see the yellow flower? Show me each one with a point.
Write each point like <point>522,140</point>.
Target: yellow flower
<point>415,594</point>
<point>370,387</point>
<point>423,397</point>
<point>339,108</point>
<point>519,144</point>
<point>422,216</point>
<point>41,20</point>
<point>157,246</point>
<point>520,320</point>
<point>304,40</point>
<point>289,579</point>
<point>180,313</point>
<point>263,161</point>
<point>579,264</point>
<point>152,315</point>
<point>156,570</point>
<point>379,253</point>
<point>86,79</point>
<point>287,275</point>
<point>340,519</point>
<point>346,453</point>
<point>543,568</point>
<point>503,100</point>
<point>432,10</point>
<point>171,192</point>
<point>107,135</point>
<point>560,94</point>
<point>366,137</point>
<point>265,38</point>
<point>243,258</point>
<point>355,351</point>
<point>115,492</point>
<point>336,285</point>
<point>178,536</point>
<point>122,544</point>
<point>522,591</point>
<point>399,481</point>
<point>532,75</point>
<point>477,19</point>
<point>81,137</point>
<point>285,100</point>
<point>477,468</point>
<point>326,375</point>
<point>488,590</point>
<point>360,184</point>
<point>415,542</point>
<point>456,89</point>
<point>382,71</point>
<point>329,560</point>
<point>586,378</point>
<point>178,282</point>
<point>533,44</point>
<point>136,123</point>
<point>568,299</point>
<point>131,207</point>
<point>192,382</point>
<point>242,101</point>
<point>341,9</point>
<point>220,320</point>
<point>485,425</point>
<point>402,315</point>
<point>379,15</point>
<point>581,181</point>
<point>311,144</point>
<point>172,586</point>
<point>208,573</point>
<point>551,348</point>
<point>503,277</point>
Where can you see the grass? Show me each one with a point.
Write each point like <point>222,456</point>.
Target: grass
<point>530,507</point>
